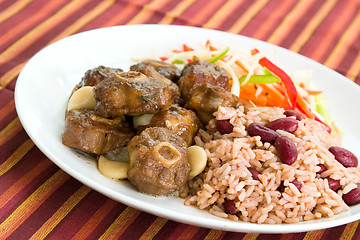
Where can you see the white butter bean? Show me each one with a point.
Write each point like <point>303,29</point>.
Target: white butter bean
<point>82,98</point>
<point>142,120</point>
<point>197,159</point>
<point>112,169</point>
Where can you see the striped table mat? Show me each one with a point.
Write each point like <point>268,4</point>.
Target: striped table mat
<point>38,200</point>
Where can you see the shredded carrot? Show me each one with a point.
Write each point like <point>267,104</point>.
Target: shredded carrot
<point>258,100</point>
<point>210,46</point>
<point>309,91</point>
<point>226,58</point>
<point>275,98</point>
<point>207,43</point>
<point>248,92</point>
<point>259,90</point>
<point>249,88</point>
<point>237,62</point>
<point>230,82</point>
<point>270,102</point>
<point>213,48</point>
<point>274,92</point>
<point>262,95</point>
<point>279,87</point>
<point>313,92</point>
<point>305,107</point>
<point>302,85</point>
<point>187,48</point>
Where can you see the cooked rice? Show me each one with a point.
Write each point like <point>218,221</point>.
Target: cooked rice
<point>258,201</point>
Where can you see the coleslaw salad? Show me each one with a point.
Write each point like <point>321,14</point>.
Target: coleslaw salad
<point>257,80</point>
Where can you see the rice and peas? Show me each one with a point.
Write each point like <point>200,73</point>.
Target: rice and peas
<point>246,180</point>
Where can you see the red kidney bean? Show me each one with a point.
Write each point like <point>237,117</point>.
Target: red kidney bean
<point>266,134</point>
<point>352,197</point>
<point>333,184</point>
<point>281,187</point>
<point>292,113</point>
<point>285,124</point>
<point>254,173</point>
<point>297,184</point>
<point>344,156</point>
<point>224,127</point>
<point>229,206</point>
<point>323,168</point>
<point>286,149</point>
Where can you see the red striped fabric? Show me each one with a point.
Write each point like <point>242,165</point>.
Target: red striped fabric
<point>38,200</point>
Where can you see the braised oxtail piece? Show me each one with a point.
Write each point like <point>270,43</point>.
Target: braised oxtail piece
<point>179,120</point>
<point>98,74</point>
<point>200,72</point>
<point>205,99</point>
<point>153,68</point>
<point>134,93</point>
<point>93,134</point>
<point>158,161</point>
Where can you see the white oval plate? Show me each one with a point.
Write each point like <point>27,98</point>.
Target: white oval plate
<point>45,83</point>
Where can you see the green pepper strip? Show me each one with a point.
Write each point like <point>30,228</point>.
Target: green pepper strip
<point>178,61</point>
<point>220,55</point>
<point>260,79</point>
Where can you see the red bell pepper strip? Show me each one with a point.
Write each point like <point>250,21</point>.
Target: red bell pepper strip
<point>290,89</point>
